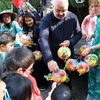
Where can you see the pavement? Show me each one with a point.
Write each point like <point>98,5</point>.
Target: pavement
<point>79,82</point>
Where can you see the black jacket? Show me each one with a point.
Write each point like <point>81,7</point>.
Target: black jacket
<point>54,31</point>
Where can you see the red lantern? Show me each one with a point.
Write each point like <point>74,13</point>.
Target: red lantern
<point>18,3</point>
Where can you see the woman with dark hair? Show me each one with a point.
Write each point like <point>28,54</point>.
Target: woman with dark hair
<point>32,29</point>
<point>18,86</point>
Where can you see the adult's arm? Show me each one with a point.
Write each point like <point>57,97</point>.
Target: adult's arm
<point>44,41</point>
<point>17,28</point>
<point>45,48</point>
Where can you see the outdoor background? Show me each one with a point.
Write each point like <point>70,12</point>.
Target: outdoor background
<point>80,9</point>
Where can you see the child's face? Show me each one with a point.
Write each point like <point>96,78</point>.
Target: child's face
<point>2,88</point>
<point>26,71</point>
<point>9,46</point>
<point>29,70</point>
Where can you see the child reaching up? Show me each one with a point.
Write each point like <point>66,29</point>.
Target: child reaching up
<point>59,92</point>
<point>22,60</point>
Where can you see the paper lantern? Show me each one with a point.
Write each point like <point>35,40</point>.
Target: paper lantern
<point>91,60</point>
<point>27,40</point>
<point>64,53</point>
<point>58,77</point>
<point>82,67</point>
<point>71,64</point>
<point>38,55</point>
<point>82,48</point>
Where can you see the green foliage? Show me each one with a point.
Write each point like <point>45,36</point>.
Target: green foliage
<point>5,4</point>
<point>36,4</point>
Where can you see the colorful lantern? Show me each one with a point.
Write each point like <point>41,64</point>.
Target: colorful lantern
<point>58,77</point>
<point>82,48</point>
<point>82,67</point>
<point>64,53</point>
<point>38,55</point>
<point>71,64</point>
<point>91,60</point>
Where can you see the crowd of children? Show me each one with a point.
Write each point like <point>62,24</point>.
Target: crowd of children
<point>21,75</point>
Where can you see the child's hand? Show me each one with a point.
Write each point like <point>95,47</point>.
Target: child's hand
<point>89,37</point>
<point>54,85</point>
<point>86,51</point>
<point>21,39</point>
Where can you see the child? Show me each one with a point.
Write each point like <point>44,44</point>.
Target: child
<point>18,86</point>
<point>88,26</point>
<point>2,89</point>
<point>1,67</point>
<point>60,92</point>
<point>6,44</point>
<point>22,60</point>
<point>94,73</point>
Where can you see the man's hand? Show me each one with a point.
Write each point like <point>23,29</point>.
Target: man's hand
<point>53,66</point>
<point>66,43</point>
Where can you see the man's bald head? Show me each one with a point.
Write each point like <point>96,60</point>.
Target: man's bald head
<point>60,8</point>
<point>63,2</point>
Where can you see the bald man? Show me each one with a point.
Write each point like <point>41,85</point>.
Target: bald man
<point>58,28</point>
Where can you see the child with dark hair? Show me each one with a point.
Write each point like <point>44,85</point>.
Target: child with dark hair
<point>22,60</point>
<point>61,92</point>
<point>18,86</point>
<point>6,44</point>
<point>6,41</point>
